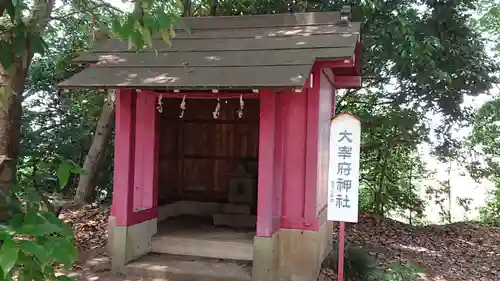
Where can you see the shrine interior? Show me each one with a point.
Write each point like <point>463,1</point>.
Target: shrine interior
<point>208,168</point>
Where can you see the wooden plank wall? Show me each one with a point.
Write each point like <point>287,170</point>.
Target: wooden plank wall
<point>198,154</point>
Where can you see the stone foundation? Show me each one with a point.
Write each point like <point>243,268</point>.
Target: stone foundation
<point>291,254</point>
<point>126,243</point>
<point>265,258</point>
<point>200,209</point>
<point>288,255</point>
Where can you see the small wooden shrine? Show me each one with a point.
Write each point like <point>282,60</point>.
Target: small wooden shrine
<point>222,139</point>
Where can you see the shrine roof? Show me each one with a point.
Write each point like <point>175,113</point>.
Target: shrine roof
<point>233,52</point>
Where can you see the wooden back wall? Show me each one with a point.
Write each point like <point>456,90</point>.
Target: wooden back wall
<point>198,154</point>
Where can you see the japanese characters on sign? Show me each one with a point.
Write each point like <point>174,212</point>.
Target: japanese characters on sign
<point>343,175</point>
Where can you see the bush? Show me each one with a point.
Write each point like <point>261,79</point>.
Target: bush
<point>396,272</point>
<point>358,264</point>
<point>490,213</point>
<point>34,240</point>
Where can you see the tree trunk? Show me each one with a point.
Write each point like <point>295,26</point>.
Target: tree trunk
<point>10,133</point>
<point>12,81</point>
<point>5,171</point>
<point>213,7</point>
<point>187,8</point>
<point>11,88</point>
<point>448,190</point>
<point>85,190</point>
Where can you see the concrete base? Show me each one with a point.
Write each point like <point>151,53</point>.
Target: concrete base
<point>128,243</point>
<point>235,220</point>
<point>111,233</point>
<point>288,255</point>
<point>179,268</point>
<point>265,258</point>
<point>199,209</point>
<point>291,254</point>
<point>189,237</point>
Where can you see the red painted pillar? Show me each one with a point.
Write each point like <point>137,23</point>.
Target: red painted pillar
<point>265,190</point>
<point>301,156</point>
<point>278,161</point>
<point>294,115</point>
<point>124,156</point>
<point>145,183</point>
<point>312,140</point>
<point>325,113</point>
<point>136,156</point>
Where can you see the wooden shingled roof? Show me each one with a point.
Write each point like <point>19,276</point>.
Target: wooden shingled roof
<point>236,52</point>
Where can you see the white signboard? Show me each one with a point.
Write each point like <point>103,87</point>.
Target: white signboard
<point>343,174</point>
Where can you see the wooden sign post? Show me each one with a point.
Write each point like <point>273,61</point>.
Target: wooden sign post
<point>343,176</point>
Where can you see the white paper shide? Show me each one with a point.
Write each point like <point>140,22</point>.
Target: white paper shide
<point>343,174</point>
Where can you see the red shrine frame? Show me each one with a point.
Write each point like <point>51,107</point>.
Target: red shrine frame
<point>136,149</point>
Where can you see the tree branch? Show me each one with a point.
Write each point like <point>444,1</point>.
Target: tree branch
<point>88,9</point>
<point>41,15</point>
<point>107,5</point>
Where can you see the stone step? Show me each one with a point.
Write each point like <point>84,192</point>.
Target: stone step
<point>185,268</point>
<point>234,247</point>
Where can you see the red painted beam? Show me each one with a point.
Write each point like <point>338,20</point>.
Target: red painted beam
<point>357,58</point>
<point>347,82</point>
<point>343,63</point>
<point>204,95</point>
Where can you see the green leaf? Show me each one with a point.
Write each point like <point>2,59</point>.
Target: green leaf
<point>64,278</point>
<point>172,30</point>
<point>30,247</point>
<point>25,275</point>
<point>48,272</point>
<point>34,196</point>
<point>3,98</point>
<point>63,228</point>
<point>6,233</point>
<point>14,205</point>
<point>128,27</point>
<point>16,221</point>
<point>39,224</point>
<point>8,256</point>
<point>63,173</point>
<point>130,43</point>
<point>6,55</point>
<point>30,268</point>
<point>151,23</point>
<point>178,22</point>
<point>116,26</point>
<point>78,170</point>
<point>48,204</point>
<point>31,217</point>
<point>146,34</point>
<point>137,40</point>
<point>166,38</point>
<point>20,41</point>
<point>179,4</point>
<point>37,44</point>
<point>39,229</point>
<point>164,20</point>
<point>10,10</point>
<point>62,250</point>
<point>6,278</point>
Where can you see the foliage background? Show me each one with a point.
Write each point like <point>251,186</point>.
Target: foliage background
<point>421,60</point>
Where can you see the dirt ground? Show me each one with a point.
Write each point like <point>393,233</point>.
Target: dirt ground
<point>457,252</point>
<point>465,251</point>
